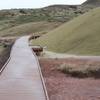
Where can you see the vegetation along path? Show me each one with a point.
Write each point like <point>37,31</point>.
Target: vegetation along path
<point>21,78</point>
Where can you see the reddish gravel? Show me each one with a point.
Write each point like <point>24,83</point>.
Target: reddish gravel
<point>64,87</point>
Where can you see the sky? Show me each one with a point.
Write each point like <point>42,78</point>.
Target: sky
<point>8,4</point>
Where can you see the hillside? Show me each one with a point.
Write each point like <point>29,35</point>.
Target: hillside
<point>12,21</point>
<point>57,13</point>
<point>41,27</point>
<point>79,36</point>
<point>92,2</point>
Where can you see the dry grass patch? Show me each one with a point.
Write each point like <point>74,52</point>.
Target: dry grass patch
<point>87,70</point>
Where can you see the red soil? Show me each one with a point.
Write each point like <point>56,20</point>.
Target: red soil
<point>63,87</point>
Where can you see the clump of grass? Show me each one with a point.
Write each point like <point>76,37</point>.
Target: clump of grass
<point>81,71</point>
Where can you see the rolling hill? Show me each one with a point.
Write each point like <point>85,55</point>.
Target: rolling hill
<point>41,27</point>
<point>14,21</point>
<point>79,36</point>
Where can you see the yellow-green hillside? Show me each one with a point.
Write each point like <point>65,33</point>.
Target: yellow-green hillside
<point>79,36</point>
<point>27,28</point>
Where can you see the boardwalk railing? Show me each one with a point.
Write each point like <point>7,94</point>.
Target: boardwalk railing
<point>5,65</point>
<point>41,76</point>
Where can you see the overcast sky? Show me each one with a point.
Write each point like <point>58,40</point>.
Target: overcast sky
<point>7,4</point>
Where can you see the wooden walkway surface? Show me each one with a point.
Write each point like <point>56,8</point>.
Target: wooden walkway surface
<point>21,78</point>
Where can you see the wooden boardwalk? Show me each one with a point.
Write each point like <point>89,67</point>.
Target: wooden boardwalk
<point>21,78</point>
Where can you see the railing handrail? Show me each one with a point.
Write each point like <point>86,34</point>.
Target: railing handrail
<point>41,76</point>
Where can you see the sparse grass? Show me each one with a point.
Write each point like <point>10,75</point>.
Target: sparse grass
<point>29,28</point>
<point>1,48</point>
<point>80,36</point>
<point>80,70</point>
<point>14,18</point>
<point>29,18</point>
<point>5,51</point>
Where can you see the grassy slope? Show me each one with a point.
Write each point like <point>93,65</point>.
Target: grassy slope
<point>28,28</point>
<point>79,36</point>
<point>22,21</point>
<point>1,49</point>
<point>14,21</point>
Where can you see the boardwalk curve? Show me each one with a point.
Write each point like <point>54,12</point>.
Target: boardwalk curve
<point>21,80</point>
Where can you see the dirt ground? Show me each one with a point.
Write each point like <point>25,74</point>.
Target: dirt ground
<point>63,87</point>
<point>7,45</point>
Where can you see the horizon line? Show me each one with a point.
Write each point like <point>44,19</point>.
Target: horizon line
<point>43,6</point>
